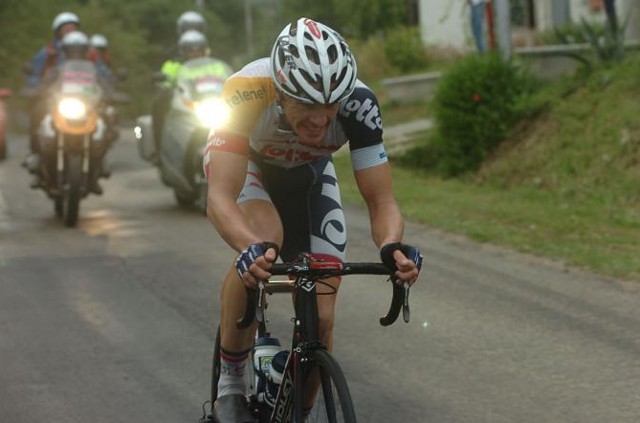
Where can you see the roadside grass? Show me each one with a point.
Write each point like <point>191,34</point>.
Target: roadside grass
<point>565,186</point>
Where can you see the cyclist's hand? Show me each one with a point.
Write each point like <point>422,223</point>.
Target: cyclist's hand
<point>254,262</point>
<point>404,259</point>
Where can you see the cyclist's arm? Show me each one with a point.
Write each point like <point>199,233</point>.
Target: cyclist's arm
<point>226,176</point>
<point>387,224</point>
<point>374,183</point>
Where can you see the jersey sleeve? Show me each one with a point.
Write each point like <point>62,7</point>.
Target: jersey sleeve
<point>361,119</point>
<point>362,123</point>
<point>246,99</point>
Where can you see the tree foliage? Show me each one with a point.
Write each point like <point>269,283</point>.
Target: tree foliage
<point>141,32</point>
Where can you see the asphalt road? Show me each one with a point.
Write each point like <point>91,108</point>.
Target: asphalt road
<point>113,321</point>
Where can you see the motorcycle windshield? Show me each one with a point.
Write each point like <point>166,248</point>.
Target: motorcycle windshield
<point>202,77</point>
<point>79,78</point>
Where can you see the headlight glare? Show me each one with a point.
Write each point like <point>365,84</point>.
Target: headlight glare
<point>212,113</point>
<point>72,108</point>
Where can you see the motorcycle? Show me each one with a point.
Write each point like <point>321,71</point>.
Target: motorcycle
<point>196,108</point>
<point>4,94</point>
<point>73,137</point>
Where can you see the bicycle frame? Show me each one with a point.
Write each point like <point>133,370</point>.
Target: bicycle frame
<point>305,339</point>
<point>305,332</point>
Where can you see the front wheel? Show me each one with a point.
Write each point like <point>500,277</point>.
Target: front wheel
<point>72,191</point>
<point>333,403</point>
<point>58,206</point>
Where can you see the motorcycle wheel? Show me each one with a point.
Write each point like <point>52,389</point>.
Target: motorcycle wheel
<point>184,200</point>
<point>3,147</point>
<point>58,206</point>
<point>72,192</point>
<point>202,199</point>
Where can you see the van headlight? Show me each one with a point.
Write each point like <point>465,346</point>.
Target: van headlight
<point>72,108</point>
<point>212,112</point>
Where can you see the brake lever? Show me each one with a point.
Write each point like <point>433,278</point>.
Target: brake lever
<point>259,305</point>
<point>406,313</point>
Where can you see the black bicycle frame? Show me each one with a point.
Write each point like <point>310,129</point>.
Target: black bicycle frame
<point>305,339</point>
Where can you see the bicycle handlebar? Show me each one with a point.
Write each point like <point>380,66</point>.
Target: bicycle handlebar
<point>315,270</point>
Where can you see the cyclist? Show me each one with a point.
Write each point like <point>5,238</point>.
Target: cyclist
<point>271,179</point>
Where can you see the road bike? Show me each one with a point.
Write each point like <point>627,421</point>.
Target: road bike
<point>307,359</point>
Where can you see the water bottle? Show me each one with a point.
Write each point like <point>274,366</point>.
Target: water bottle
<point>278,364</point>
<point>264,349</point>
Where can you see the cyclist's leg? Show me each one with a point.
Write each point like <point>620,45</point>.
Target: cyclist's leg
<point>320,228</point>
<point>328,235</point>
<point>235,344</point>
<point>263,219</point>
<point>265,222</point>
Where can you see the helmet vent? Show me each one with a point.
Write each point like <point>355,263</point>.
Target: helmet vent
<point>332,52</point>
<point>312,55</point>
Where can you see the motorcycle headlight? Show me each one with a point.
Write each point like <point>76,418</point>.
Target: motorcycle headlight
<point>72,108</point>
<point>212,113</point>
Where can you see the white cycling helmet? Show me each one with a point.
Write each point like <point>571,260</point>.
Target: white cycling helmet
<point>191,20</point>
<point>75,44</point>
<point>99,41</point>
<point>313,63</point>
<point>63,19</point>
<point>192,40</point>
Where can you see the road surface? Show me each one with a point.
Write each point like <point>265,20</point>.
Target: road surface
<point>113,321</point>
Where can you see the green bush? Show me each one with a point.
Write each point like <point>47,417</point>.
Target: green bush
<point>404,49</point>
<point>477,102</point>
<point>371,60</point>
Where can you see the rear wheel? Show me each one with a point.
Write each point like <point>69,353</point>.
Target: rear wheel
<point>333,403</point>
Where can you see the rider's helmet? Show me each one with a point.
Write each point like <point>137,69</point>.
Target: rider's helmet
<point>193,44</point>
<point>75,45</point>
<point>313,63</point>
<point>62,19</point>
<point>191,20</point>
<point>98,41</point>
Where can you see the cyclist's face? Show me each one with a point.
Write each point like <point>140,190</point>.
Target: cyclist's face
<point>309,121</point>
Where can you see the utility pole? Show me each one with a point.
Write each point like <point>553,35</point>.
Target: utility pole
<point>248,25</point>
<point>503,27</point>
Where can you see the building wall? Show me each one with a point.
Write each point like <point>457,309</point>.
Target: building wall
<point>446,22</point>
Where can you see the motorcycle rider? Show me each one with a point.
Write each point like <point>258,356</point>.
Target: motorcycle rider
<point>45,59</point>
<point>99,54</point>
<point>188,20</point>
<point>194,44</point>
<point>75,45</point>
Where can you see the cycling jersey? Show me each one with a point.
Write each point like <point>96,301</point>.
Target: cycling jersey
<point>256,124</point>
<point>299,179</point>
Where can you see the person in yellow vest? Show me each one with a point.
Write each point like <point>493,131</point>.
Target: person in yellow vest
<point>193,45</point>
<point>188,20</point>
